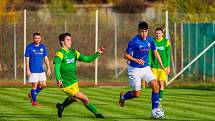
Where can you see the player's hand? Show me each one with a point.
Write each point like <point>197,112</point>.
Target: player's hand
<point>139,61</point>
<point>59,83</point>
<point>167,70</point>
<point>48,72</point>
<point>101,50</point>
<point>28,73</point>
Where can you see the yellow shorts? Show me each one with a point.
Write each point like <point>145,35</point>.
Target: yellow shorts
<point>160,74</point>
<point>71,90</point>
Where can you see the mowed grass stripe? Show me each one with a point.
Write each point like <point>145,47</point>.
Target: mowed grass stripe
<point>106,100</point>
<point>44,106</point>
<point>186,111</point>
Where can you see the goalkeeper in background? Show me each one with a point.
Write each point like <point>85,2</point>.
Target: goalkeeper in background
<point>65,73</point>
<point>163,47</point>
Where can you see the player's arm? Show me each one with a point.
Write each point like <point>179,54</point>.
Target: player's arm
<point>46,60</point>
<point>129,50</point>
<point>27,66</point>
<point>57,62</point>
<point>159,58</point>
<point>27,58</point>
<point>129,57</point>
<point>90,58</point>
<point>155,52</point>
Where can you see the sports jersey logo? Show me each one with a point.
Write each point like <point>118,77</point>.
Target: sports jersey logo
<point>38,51</point>
<point>149,44</point>
<point>160,48</point>
<point>70,60</point>
<point>144,48</point>
<point>41,50</point>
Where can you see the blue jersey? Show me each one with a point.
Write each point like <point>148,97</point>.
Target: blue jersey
<point>36,56</point>
<point>139,49</point>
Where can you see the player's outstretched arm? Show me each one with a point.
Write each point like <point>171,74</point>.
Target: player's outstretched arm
<point>91,58</point>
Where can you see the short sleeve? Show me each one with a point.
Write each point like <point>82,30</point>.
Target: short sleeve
<point>152,43</point>
<point>27,52</point>
<point>58,58</point>
<point>130,47</point>
<point>77,54</point>
<point>45,53</point>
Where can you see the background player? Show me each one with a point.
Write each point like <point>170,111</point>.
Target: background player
<point>35,55</point>
<point>163,47</point>
<point>65,73</point>
<point>138,67</point>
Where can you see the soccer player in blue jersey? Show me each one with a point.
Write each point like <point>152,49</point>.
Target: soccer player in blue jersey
<point>35,55</point>
<point>138,67</point>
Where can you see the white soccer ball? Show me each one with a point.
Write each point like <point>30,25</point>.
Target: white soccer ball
<point>158,113</point>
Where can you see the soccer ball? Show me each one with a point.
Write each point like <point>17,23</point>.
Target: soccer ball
<point>158,113</point>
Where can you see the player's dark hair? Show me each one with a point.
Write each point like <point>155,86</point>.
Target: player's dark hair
<point>36,33</point>
<point>159,29</point>
<point>62,37</point>
<point>143,25</point>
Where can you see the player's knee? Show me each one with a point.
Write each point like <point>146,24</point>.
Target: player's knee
<point>85,100</point>
<point>154,86</point>
<point>136,94</point>
<point>42,84</point>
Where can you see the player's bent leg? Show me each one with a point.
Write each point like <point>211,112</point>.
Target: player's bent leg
<point>59,109</point>
<point>89,105</point>
<point>41,85</point>
<point>155,94</point>
<point>128,95</point>
<point>121,99</point>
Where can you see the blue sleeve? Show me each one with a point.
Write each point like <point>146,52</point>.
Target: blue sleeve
<point>45,53</point>
<point>27,52</point>
<point>153,47</point>
<point>130,47</point>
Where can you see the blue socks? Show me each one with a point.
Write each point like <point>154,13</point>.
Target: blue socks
<point>33,94</point>
<point>155,100</point>
<point>38,89</point>
<point>128,95</point>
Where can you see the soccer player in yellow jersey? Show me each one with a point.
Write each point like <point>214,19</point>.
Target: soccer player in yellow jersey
<point>163,47</point>
<point>65,73</point>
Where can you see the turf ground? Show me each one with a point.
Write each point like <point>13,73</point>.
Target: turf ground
<point>179,105</point>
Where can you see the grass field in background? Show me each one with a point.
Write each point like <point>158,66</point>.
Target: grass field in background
<point>179,105</point>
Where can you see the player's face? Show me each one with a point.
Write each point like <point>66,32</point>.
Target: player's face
<point>37,39</point>
<point>159,34</point>
<point>143,33</point>
<point>67,43</point>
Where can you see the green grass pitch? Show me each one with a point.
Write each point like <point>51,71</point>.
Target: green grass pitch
<point>179,105</point>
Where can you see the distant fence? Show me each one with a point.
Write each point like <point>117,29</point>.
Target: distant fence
<point>114,32</point>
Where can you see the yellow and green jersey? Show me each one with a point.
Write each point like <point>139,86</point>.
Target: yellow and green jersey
<point>163,47</point>
<point>65,64</point>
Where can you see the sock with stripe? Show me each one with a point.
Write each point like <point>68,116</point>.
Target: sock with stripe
<point>38,89</point>
<point>127,95</point>
<point>155,100</point>
<point>33,94</point>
